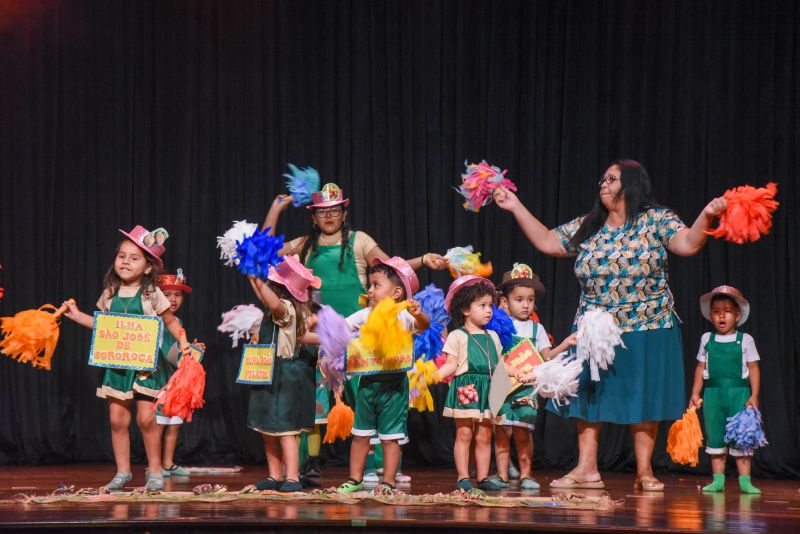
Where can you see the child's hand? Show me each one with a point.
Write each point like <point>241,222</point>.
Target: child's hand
<point>716,207</point>
<point>201,346</point>
<point>280,203</point>
<point>695,401</point>
<point>505,198</point>
<point>752,401</point>
<point>311,322</point>
<point>414,308</point>
<point>72,309</point>
<point>186,351</point>
<point>527,378</point>
<point>571,340</point>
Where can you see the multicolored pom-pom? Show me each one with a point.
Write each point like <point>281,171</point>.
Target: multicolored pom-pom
<point>462,260</point>
<point>479,182</point>
<point>230,240</point>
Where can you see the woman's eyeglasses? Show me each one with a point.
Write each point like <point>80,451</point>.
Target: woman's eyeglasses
<point>609,179</point>
<point>327,213</point>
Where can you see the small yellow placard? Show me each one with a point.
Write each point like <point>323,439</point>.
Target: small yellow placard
<point>522,358</point>
<point>258,363</point>
<point>362,362</point>
<point>125,341</point>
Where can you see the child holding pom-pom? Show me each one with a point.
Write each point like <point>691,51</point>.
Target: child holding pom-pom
<point>130,287</point>
<point>520,289</point>
<point>282,410</point>
<point>174,287</point>
<point>472,355</point>
<point>727,365</point>
<point>382,399</point>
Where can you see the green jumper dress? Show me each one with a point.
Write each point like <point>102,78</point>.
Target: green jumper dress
<point>480,366</point>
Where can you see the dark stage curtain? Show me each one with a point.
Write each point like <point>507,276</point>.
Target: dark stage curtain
<point>184,114</point>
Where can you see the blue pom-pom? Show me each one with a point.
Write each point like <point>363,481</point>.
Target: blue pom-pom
<point>302,183</point>
<point>501,323</point>
<point>258,252</point>
<point>428,344</point>
<point>744,430</point>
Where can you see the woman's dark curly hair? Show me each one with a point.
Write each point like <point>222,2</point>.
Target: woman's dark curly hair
<point>463,300</point>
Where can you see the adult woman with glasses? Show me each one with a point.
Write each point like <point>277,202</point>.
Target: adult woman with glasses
<point>621,265</point>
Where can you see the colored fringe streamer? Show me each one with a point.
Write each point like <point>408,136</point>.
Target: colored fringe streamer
<point>685,438</point>
<point>340,422</point>
<point>744,430</point>
<point>302,183</point>
<point>241,321</point>
<point>227,242</point>
<point>334,335</point>
<point>258,252</point>
<point>419,380</point>
<point>428,344</point>
<point>748,215</point>
<point>479,182</point>
<point>382,333</point>
<point>463,261</point>
<point>184,392</point>
<point>598,335</point>
<point>502,325</point>
<point>557,379</point>
<point>31,336</point>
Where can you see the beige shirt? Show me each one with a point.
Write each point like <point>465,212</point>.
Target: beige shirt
<point>287,332</point>
<point>156,304</point>
<point>362,246</point>
<point>457,344</point>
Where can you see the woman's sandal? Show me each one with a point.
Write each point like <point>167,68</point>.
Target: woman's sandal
<point>568,482</point>
<point>648,484</point>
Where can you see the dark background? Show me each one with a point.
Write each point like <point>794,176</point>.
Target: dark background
<point>184,114</point>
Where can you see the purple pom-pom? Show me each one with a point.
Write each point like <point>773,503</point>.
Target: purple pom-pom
<point>256,253</point>
<point>334,335</point>
<point>744,430</point>
<point>501,323</point>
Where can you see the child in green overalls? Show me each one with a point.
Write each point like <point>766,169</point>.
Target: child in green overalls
<point>520,288</point>
<point>382,399</point>
<point>472,355</point>
<point>283,409</point>
<point>130,287</point>
<point>727,364</point>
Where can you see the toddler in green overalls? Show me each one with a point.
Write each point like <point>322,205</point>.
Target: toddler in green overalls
<point>728,365</point>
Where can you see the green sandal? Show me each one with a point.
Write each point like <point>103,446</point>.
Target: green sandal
<point>350,486</point>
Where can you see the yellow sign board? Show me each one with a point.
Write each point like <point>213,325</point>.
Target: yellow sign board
<point>125,341</point>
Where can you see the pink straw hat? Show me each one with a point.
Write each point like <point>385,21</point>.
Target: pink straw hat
<point>295,277</point>
<point>460,283</point>
<point>151,242</point>
<point>404,271</point>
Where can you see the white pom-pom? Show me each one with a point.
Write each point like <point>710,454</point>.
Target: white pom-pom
<point>241,321</point>
<point>598,335</point>
<point>557,379</point>
<point>228,241</point>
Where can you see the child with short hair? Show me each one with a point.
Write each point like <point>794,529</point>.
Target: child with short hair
<point>727,365</point>
<point>382,399</point>
<point>520,289</point>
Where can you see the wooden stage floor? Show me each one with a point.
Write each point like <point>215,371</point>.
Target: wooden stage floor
<point>681,508</point>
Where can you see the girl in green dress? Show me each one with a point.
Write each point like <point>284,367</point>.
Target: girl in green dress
<point>283,409</point>
<point>130,287</point>
<point>472,355</point>
<point>340,257</point>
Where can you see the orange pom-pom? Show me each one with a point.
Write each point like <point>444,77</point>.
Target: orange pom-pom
<point>748,215</point>
<point>184,392</point>
<point>685,438</point>
<point>31,336</point>
<point>340,422</point>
